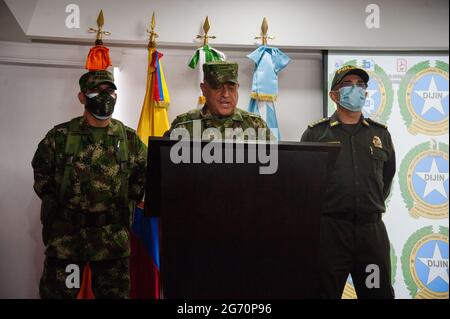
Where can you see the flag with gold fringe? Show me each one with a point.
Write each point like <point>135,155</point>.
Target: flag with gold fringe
<point>268,62</point>
<point>154,120</point>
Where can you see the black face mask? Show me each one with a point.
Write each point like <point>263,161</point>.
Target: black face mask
<point>100,105</point>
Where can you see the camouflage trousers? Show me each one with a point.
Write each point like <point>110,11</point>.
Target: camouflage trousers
<point>110,279</point>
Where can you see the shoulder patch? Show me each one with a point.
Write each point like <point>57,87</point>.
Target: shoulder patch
<point>376,123</point>
<point>324,120</point>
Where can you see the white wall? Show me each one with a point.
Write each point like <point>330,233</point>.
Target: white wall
<point>330,24</point>
<point>37,93</point>
<point>32,100</point>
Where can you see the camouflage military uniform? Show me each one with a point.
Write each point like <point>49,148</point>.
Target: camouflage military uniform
<point>87,214</point>
<point>239,122</point>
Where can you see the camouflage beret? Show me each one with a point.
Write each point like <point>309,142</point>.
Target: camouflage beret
<point>91,79</point>
<point>347,70</point>
<point>219,72</point>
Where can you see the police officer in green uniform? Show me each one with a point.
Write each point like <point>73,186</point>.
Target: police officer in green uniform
<point>89,173</point>
<point>220,88</point>
<point>353,236</point>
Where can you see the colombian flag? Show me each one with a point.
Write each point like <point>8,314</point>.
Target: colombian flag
<point>154,121</point>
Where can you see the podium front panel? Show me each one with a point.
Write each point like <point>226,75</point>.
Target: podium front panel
<point>228,231</point>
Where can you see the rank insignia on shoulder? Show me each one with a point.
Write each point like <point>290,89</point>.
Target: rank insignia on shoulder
<point>325,119</point>
<point>377,123</point>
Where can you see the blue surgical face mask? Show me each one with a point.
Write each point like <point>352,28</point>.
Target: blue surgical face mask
<point>352,98</point>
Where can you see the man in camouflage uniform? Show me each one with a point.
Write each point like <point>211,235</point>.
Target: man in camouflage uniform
<point>353,236</point>
<point>89,173</point>
<point>220,88</point>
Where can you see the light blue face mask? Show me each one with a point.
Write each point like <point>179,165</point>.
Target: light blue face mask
<point>352,98</point>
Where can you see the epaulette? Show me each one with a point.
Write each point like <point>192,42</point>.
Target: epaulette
<point>376,123</point>
<point>324,120</point>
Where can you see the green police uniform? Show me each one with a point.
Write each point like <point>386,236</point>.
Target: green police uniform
<point>353,235</point>
<point>89,180</point>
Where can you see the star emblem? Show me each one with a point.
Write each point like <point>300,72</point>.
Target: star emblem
<point>434,180</point>
<point>436,266</point>
<point>432,98</point>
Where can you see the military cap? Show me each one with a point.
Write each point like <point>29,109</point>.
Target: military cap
<point>347,70</point>
<point>219,72</point>
<point>91,79</point>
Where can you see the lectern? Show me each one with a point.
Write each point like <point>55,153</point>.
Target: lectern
<point>229,231</point>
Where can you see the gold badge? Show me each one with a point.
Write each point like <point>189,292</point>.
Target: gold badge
<point>377,142</point>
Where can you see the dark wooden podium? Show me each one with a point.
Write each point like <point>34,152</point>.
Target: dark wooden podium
<point>229,232</point>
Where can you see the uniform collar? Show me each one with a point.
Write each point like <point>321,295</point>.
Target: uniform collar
<point>334,120</point>
<point>113,128</point>
<point>237,115</point>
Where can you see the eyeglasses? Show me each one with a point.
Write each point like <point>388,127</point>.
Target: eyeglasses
<point>360,84</point>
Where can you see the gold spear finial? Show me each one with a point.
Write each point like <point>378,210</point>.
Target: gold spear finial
<point>100,19</point>
<point>264,28</point>
<point>206,25</point>
<point>99,31</point>
<point>206,28</point>
<point>152,33</point>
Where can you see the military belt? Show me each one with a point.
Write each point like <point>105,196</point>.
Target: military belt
<point>84,219</point>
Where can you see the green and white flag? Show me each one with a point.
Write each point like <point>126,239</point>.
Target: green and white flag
<point>202,55</point>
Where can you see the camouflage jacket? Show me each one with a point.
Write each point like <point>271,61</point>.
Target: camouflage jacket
<point>94,186</point>
<point>239,122</point>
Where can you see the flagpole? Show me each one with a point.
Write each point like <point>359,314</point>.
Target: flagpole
<point>205,36</point>
<point>152,34</point>
<point>99,31</point>
<point>262,97</point>
<point>264,28</point>
<point>204,54</point>
<point>98,57</point>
